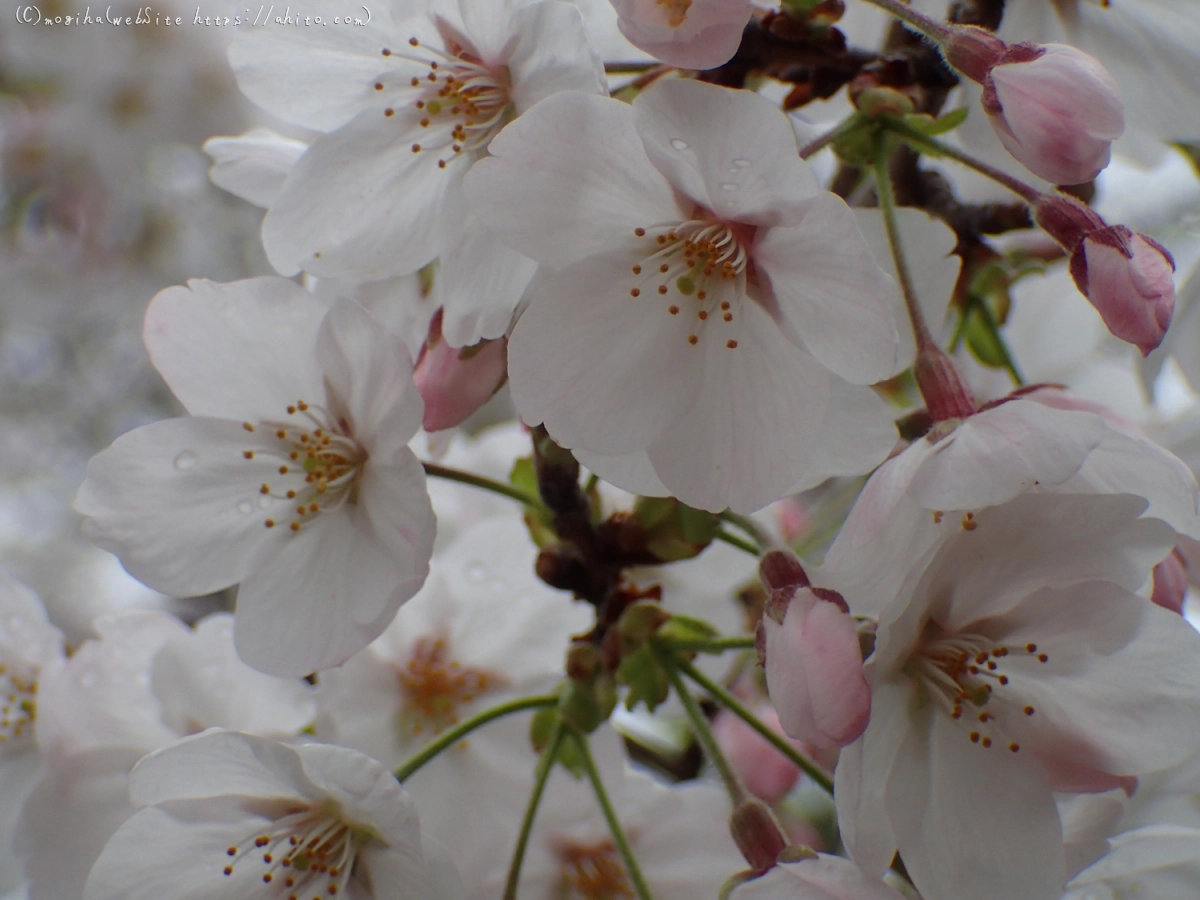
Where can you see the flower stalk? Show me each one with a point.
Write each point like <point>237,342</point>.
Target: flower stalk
<point>544,767</point>
<point>433,470</point>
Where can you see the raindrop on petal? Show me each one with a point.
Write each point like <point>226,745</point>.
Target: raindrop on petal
<point>728,186</point>
<point>476,572</point>
<point>245,507</point>
<point>186,460</point>
<point>741,163</point>
<point>679,143</point>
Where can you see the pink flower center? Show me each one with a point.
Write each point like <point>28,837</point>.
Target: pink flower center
<point>308,853</point>
<point>592,871</point>
<point>965,674</point>
<point>461,103</point>
<point>436,687</point>
<point>319,463</point>
<point>697,269</point>
<point>18,706</point>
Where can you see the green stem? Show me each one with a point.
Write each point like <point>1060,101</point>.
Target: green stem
<point>713,645</point>
<point>590,484</point>
<point>887,205</point>
<point>610,816</point>
<point>933,30</point>
<point>834,134</point>
<point>461,730</point>
<point>542,774</point>
<point>630,68</point>
<point>734,541</point>
<point>730,702</point>
<point>749,526</point>
<point>497,487</point>
<point>1026,192</point>
<point>737,791</point>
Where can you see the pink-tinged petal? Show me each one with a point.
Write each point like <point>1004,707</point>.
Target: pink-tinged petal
<point>253,166</point>
<point>454,383</point>
<point>766,772</point>
<point>69,816</point>
<point>552,54</point>
<point>823,878</point>
<point>991,457</point>
<point>238,351</point>
<point>480,283</point>
<point>767,417</point>
<point>730,151</point>
<point>1133,291</point>
<point>180,503</point>
<point>570,179</point>
<point>338,215</point>
<point>316,77</point>
<point>368,377</point>
<point>1170,583</point>
<point>815,672</point>
<point>582,323</point>
<point>201,683</point>
<point>830,292</point>
<point>488,25</point>
<point>972,822</point>
<point>1090,712</point>
<point>631,472</point>
<point>691,34</point>
<point>1058,113</point>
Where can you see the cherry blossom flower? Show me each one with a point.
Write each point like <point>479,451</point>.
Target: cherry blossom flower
<point>692,34</point>
<point>822,877</point>
<point>1128,277</point>
<point>455,382</point>
<point>291,477</point>
<point>233,815</point>
<point>407,107</point>
<point>31,651</point>
<point>145,681</point>
<point>702,302</point>
<point>1014,662</point>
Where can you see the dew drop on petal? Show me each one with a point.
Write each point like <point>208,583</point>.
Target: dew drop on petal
<point>728,186</point>
<point>476,572</point>
<point>264,502</point>
<point>245,507</point>
<point>88,679</point>
<point>499,585</point>
<point>741,163</point>
<point>186,460</point>
<point>679,143</point>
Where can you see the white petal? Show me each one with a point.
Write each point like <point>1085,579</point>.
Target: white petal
<point>480,282</point>
<point>631,472</point>
<point>830,292</point>
<point>730,151</point>
<point>338,213</point>
<point>973,822</point>
<point>368,377</point>
<point>570,179</point>
<point>254,165</point>
<point>822,878</point>
<point>1163,861</point>
<point>552,54</point>
<point>179,503</point>
<point>318,77</point>
<point>489,26</point>
<point>767,416</point>
<point>238,351</point>
<point>582,324</point>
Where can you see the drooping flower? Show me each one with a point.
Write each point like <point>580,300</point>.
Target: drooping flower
<point>691,34</point>
<point>1014,662</point>
<point>291,477</point>
<point>232,815</point>
<point>702,303</point>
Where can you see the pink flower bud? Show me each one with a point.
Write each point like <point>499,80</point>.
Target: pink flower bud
<point>815,672</point>
<point>1170,583</point>
<point>455,382</point>
<point>1055,109</point>
<point>1128,278</point>
<point>766,772</point>
<point>972,50</point>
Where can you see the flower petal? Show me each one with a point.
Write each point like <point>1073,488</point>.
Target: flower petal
<point>552,54</point>
<point>253,165</point>
<point>480,282</point>
<point>707,37</point>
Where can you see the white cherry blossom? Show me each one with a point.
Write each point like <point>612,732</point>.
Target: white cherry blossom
<point>1014,662</point>
<point>291,477</point>
<point>701,302</point>
<point>822,877</point>
<point>232,815</point>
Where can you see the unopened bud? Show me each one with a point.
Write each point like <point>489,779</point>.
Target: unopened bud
<point>757,834</point>
<point>454,382</point>
<point>1056,109</point>
<point>1170,583</point>
<point>781,569</point>
<point>943,387</point>
<point>1066,220</point>
<point>973,51</point>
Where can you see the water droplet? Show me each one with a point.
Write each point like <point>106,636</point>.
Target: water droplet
<point>679,143</point>
<point>499,585</point>
<point>741,163</point>
<point>88,679</point>
<point>186,460</point>
<point>245,507</point>
<point>264,502</point>
<point>728,186</point>
<point>476,572</point>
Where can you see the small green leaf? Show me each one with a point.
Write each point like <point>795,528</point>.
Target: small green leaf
<point>686,629</point>
<point>645,678</point>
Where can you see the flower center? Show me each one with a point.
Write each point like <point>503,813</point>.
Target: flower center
<point>18,706</point>
<point>309,851</point>
<point>462,103</point>
<point>965,674</point>
<point>436,687</point>
<point>698,268</point>
<point>592,872</point>
<point>319,463</point>
<point>676,11</point>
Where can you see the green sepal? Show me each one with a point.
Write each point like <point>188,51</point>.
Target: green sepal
<point>928,125</point>
<point>641,672</point>
<point>686,629</point>
<point>675,531</point>
<point>523,477</point>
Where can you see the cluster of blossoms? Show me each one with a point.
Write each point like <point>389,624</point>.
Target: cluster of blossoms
<point>765,586</point>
